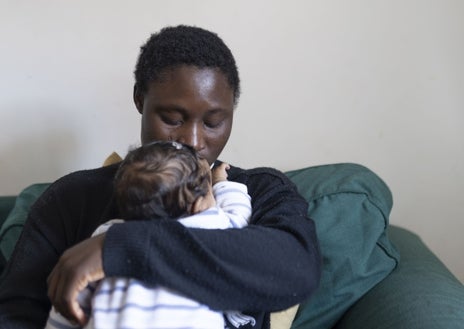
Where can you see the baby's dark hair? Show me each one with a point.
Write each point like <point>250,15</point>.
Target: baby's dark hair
<point>160,180</point>
<point>184,45</point>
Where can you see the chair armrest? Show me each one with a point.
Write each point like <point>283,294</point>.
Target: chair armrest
<point>421,293</point>
<point>6,204</point>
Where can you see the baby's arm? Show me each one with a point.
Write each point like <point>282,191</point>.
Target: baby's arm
<point>231,197</point>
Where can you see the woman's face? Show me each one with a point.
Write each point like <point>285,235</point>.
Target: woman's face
<point>190,105</point>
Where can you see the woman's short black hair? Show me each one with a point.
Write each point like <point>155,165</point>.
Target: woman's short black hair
<point>184,45</point>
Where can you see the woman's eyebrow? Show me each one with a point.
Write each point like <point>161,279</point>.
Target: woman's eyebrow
<point>184,111</point>
<point>167,109</point>
<point>171,108</point>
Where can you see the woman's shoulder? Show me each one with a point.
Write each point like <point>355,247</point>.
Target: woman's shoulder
<point>259,176</point>
<point>262,172</point>
<point>84,182</point>
<point>269,187</point>
<point>74,194</point>
<point>89,176</point>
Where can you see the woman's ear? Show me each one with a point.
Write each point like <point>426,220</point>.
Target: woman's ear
<point>138,99</point>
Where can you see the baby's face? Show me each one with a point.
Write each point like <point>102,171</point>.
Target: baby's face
<point>207,201</point>
<point>205,166</point>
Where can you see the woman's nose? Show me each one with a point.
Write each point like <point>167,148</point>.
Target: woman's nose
<point>193,135</point>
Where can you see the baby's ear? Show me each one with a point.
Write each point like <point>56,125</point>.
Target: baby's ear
<point>197,206</point>
<point>203,202</point>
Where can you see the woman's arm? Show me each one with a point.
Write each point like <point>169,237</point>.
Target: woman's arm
<point>270,265</point>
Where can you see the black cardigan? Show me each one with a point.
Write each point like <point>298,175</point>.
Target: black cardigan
<point>267,266</point>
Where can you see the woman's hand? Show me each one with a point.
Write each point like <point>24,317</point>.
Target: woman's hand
<point>77,267</point>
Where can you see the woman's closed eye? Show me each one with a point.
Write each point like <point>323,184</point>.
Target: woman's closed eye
<point>172,120</point>
<point>213,123</point>
<point>215,119</point>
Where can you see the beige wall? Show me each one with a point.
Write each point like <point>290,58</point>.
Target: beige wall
<point>379,83</point>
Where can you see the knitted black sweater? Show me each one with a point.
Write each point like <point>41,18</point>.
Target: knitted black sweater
<point>269,265</point>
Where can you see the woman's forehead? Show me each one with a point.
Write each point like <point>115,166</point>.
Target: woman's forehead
<point>187,86</point>
<point>188,78</point>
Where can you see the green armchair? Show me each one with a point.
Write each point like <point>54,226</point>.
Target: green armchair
<point>374,276</point>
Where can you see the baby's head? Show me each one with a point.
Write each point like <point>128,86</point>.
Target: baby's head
<point>161,180</point>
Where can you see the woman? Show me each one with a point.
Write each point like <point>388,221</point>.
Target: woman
<point>186,89</point>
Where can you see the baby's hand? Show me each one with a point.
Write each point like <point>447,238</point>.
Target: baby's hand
<point>219,173</point>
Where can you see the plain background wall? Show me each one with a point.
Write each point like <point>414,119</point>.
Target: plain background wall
<point>380,83</point>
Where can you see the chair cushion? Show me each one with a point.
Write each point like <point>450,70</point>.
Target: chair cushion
<point>350,206</point>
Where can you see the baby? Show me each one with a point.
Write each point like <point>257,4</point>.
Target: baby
<point>159,181</point>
